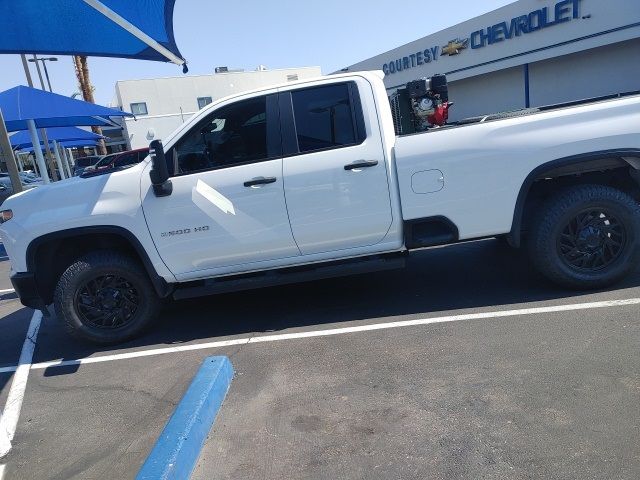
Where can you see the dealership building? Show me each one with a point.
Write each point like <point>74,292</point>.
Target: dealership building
<point>526,54</point>
<point>161,105</point>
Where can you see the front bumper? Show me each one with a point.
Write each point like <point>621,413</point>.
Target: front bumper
<point>26,288</point>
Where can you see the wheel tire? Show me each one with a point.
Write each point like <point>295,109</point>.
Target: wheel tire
<point>127,285</point>
<point>555,249</point>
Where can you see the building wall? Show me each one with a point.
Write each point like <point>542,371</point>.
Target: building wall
<point>172,101</point>
<point>600,71</point>
<point>493,92</point>
<point>591,73</point>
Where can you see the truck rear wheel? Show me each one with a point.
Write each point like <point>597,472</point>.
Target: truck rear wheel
<point>105,297</point>
<point>586,236</point>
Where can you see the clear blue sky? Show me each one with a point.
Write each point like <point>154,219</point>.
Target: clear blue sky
<point>277,33</point>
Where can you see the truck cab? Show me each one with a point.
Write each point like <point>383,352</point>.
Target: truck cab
<point>274,178</point>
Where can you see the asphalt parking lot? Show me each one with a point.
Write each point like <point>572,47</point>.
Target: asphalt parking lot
<point>477,393</point>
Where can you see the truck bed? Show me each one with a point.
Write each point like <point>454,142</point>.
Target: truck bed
<point>461,172</point>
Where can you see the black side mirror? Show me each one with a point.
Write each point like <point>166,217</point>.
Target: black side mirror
<point>159,174</point>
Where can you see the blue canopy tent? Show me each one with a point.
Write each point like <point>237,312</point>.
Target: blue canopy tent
<point>62,135</point>
<point>25,108</point>
<point>65,144</point>
<point>21,104</point>
<point>141,29</point>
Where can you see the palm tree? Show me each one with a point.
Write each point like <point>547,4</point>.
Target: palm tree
<point>82,72</point>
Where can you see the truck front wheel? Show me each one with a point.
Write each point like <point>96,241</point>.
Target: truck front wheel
<point>105,297</point>
<point>587,236</point>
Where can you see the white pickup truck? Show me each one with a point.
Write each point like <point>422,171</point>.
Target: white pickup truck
<point>309,180</point>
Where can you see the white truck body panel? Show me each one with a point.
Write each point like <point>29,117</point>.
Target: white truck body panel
<point>79,202</point>
<point>484,165</point>
<point>245,224</point>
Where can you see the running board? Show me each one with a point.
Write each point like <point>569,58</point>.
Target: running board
<point>284,276</point>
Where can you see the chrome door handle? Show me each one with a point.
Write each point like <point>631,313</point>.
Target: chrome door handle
<point>259,181</point>
<point>361,164</point>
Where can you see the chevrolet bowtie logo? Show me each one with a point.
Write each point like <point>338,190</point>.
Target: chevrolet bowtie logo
<point>454,46</point>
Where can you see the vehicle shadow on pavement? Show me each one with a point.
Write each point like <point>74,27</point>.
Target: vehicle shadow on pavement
<point>475,275</point>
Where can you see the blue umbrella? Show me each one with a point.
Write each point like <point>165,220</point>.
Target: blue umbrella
<point>21,104</point>
<point>62,135</point>
<point>141,29</point>
<point>66,144</point>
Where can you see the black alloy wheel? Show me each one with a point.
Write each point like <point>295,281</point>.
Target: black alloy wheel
<point>586,236</point>
<point>106,297</point>
<point>107,301</point>
<point>592,240</point>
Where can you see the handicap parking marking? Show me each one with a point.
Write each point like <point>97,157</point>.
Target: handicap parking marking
<point>330,332</point>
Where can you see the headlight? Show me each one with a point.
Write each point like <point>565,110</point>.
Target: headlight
<point>6,215</point>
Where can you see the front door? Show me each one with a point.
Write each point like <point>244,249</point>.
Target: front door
<point>336,180</point>
<point>227,209</point>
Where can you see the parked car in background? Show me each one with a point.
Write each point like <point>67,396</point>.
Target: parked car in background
<point>84,162</point>
<point>6,188</point>
<point>119,160</point>
<point>30,178</point>
<point>25,178</point>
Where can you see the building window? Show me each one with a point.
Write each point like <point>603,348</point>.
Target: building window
<point>139,108</point>
<point>203,102</point>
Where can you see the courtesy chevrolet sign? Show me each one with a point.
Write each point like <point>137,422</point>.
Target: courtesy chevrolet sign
<point>545,17</point>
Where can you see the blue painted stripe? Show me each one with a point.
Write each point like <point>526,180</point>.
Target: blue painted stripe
<point>175,453</point>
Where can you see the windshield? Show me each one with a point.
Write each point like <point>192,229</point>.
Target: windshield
<point>87,161</point>
<point>106,160</point>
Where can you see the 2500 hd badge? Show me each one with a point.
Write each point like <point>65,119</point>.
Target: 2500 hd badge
<point>185,231</point>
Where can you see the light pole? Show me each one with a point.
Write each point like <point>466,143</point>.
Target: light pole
<point>44,64</point>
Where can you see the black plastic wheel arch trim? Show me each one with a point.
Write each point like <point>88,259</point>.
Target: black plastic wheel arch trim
<point>161,286</point>
<point>515,236</point>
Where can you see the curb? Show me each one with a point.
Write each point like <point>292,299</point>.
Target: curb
<point>177,449</point>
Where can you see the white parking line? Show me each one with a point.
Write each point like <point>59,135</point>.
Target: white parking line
<point>329,332</point>
<point>9,419</point>
<point>7,290</point>
<point>1,472</point>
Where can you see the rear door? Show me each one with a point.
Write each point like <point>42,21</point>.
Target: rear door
<point>335,172</point>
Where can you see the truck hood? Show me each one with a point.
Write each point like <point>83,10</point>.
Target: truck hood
<point>74,198</point>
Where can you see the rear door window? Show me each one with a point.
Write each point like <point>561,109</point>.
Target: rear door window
<point>327,117</point>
